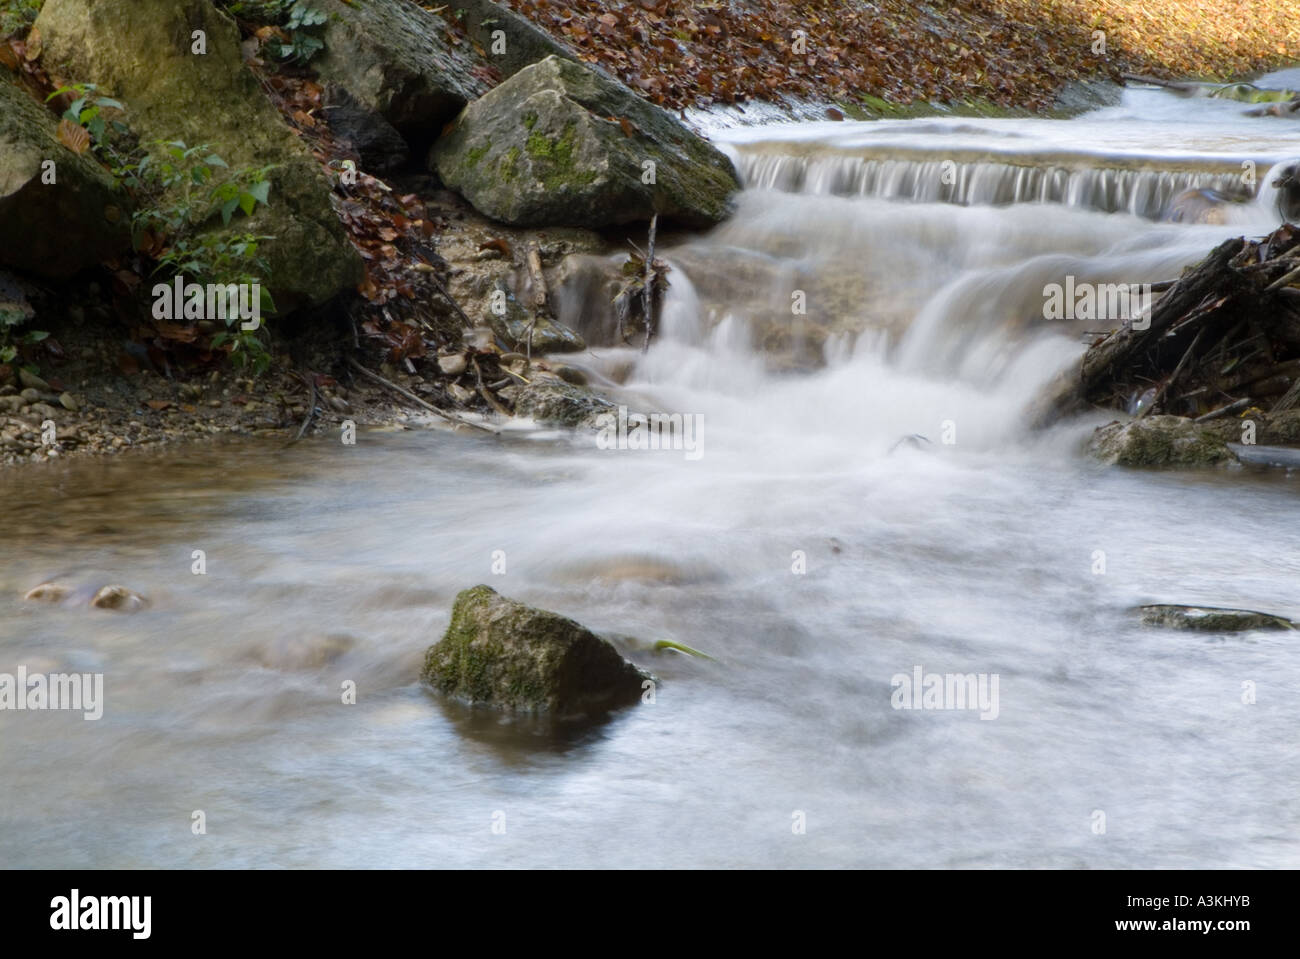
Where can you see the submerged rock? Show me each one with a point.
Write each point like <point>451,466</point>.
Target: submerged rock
<point>501,653</point>
<point>558,143</point>
<point>48,593</point>
<point>1211,619</point>
<point>1159,441</point>
<point>119,598</point>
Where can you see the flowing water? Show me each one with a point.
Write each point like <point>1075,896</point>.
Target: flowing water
<point>975,551</point>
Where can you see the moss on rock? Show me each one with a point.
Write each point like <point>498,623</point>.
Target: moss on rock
<point>581,150</point>
<point>1159,441</point>
<point>144,54</point>
<point>501,653</point>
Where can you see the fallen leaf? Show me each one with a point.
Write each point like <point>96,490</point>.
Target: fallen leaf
<point>73,136</point>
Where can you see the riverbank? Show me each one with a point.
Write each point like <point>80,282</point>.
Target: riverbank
<point>93,374</point>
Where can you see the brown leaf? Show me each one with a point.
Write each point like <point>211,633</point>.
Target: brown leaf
<point>498,244</point>
<point>158,405</point>
<point>73,136</point>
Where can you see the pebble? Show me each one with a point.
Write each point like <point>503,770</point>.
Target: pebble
<point>119,598</point>
<point>69,402</point>
<point>47,593</point>
<point>30,379</point>
<point>453,365</point>
<point>30,395</point>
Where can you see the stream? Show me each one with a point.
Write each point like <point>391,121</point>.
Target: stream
<point>973,551</point>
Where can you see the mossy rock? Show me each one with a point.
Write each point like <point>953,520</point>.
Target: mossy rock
<point>503,654</point>
<point>1160,441</point>
<point>393,57</point>
<point>143,54</point>
<point>557,403</point>
<point>546,335</point>
<point>52,229</point>
<point>1210,619</point>
<point>558,144</point>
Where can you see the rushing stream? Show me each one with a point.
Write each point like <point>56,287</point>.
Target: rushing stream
<point>328,564</point>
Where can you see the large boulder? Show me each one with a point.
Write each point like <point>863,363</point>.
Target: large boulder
<point>501,653</point>
<point>1159,441</point>
<point>509,40</point>
<point>558,144</point>
<point>142,53</point>
<point>399,60</point>
<point>52,229</point>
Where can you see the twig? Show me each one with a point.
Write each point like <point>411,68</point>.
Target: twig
<point>648,292</point>
<point>415,399</point>
<point>1289,398</point>
<point>483,392</point>
<point>1173,376</point>
<point>1224,410</point>
<point>1284,281</point>
<point>311,408</point>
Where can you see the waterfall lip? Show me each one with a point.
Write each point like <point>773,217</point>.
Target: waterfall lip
<point>1031,159</point>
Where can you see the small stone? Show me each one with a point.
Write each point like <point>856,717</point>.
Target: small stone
<point>453,365</point>
<point>30,379</point>
<point>119,598</point>
<point>69,402</point>
<point>31,395</point>
<point>47,593</point>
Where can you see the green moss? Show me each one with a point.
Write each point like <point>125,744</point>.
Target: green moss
<point>477,153</point>
<point>556,159</point>
<point>530,120</point>
<point>508,166</point>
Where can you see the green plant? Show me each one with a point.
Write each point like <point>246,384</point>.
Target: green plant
<point>185,193</point>
<point>88,109</point>
<point>302,26</point>
<point>10,320</point>
<point>16,16</point>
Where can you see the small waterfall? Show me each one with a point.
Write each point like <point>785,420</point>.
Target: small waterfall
<point>929,177</point>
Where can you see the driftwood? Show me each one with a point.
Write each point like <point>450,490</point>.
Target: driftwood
<point>1229,326</point>
<point>402,391</point>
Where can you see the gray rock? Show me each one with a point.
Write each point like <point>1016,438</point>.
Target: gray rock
<point>1159,441</point>
<point>140,52</point>
<point>452,365</point>
<point>32,381</point>
<point>1211,619</point>
<point>553,403</point>
<point>524,43</point>
<point>393,58</point>
<point>547,336</point>
<point>501,653</point>
<point>52,229</point>
<point>559,144</point>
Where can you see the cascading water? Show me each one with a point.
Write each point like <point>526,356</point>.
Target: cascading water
<point>817,550</point>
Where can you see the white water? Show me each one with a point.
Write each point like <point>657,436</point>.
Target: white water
<point>975,557</point>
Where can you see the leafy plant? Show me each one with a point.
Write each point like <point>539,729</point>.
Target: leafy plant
<point>16,16</point>
<point>300,27</point>
<point>88,109</point>
<point>189,188</point>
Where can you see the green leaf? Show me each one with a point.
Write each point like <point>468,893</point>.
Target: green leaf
<point>260,191</point>
<point>228,210</point>
<point>247,203</point>
<point>213,160</point>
